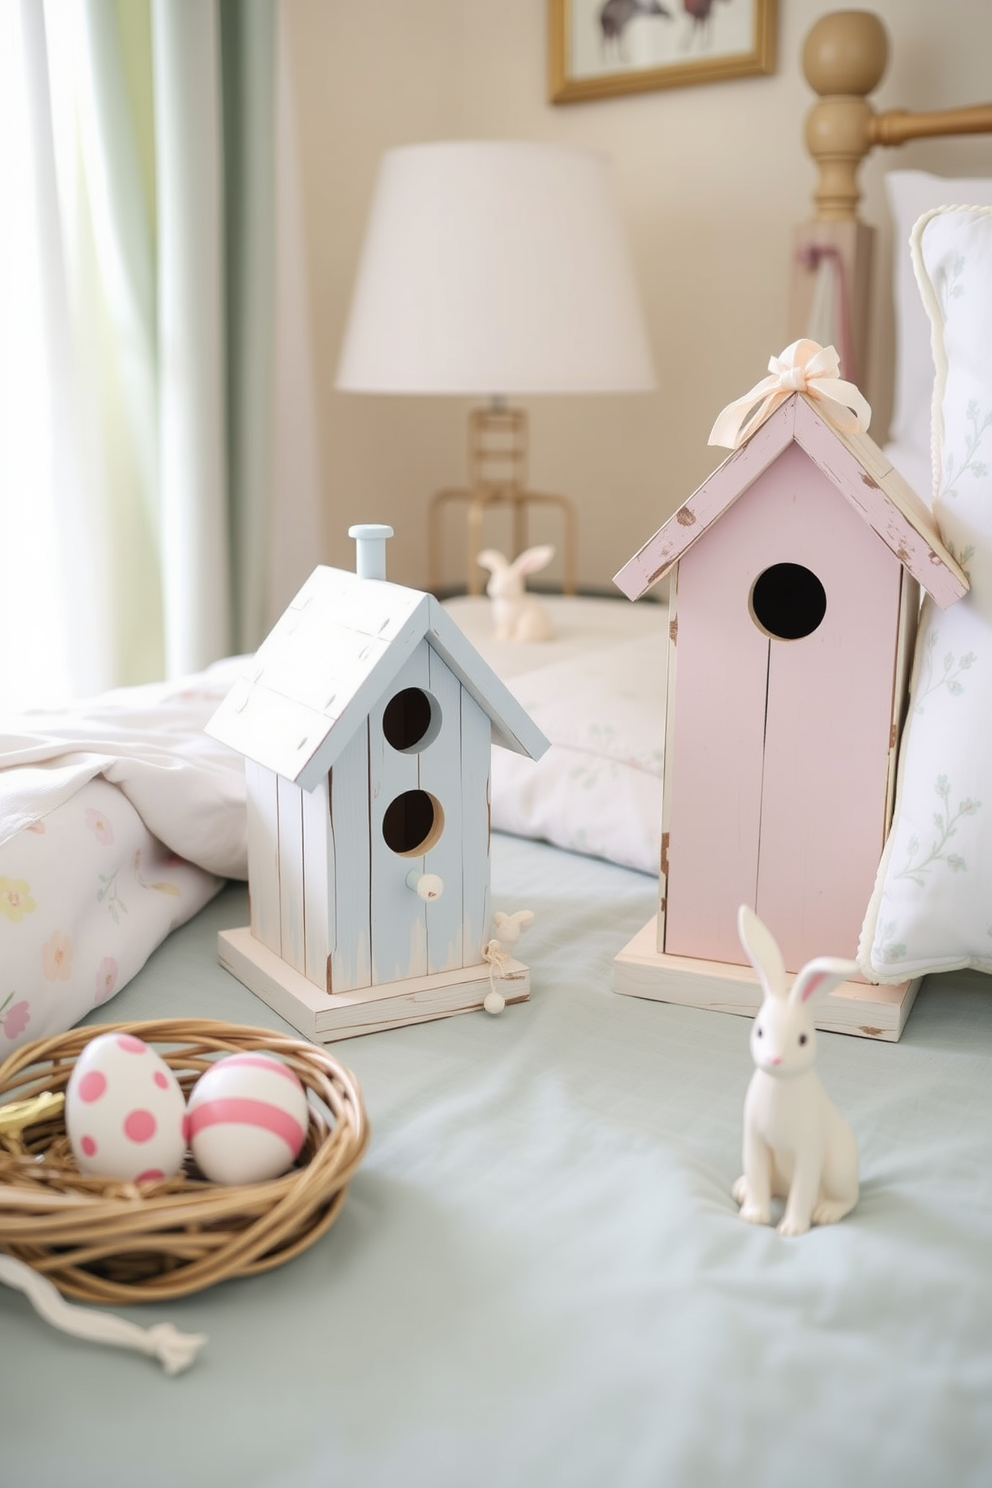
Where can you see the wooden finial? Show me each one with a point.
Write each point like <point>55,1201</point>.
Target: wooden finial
<point>844,58</point>
<point>846,52</point>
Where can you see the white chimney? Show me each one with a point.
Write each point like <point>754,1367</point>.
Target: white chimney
<point>370,549</point>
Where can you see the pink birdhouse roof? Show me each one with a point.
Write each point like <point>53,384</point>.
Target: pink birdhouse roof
<point>859,470</point>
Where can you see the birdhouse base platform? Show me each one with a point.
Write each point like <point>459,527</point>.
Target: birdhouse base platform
<point>862,1008</point>
<point>325,1018</point>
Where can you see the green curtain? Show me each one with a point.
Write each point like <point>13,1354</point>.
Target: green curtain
<point>248,46</point>
<point>171,242</point>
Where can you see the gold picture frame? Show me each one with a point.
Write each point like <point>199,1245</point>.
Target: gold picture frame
<point>601,48</point>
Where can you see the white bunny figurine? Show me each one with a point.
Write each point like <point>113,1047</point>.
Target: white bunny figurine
<point>517,616</point>
<point>797,1146</point>
<point>507,928</point>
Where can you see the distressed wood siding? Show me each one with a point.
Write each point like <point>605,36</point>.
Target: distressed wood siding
<point>666,801</point>
<point>349,791</point>
<point>441,767</point>
<point>290,806</point>
<point>263,854</point>
<point>319,908</point>
<point>828,722</point>
<point>475,785</point>
<point>780,747</point>
<point>716,741</point>
<point>411,937</point>
<point>345,898</point>
<point>399,916</point>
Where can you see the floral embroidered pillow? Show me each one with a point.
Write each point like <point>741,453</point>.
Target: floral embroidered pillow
<point>932,908</point>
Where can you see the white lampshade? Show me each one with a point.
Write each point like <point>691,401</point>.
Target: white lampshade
<point>495,268</point>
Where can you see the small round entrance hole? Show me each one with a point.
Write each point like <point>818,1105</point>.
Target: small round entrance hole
<point>412,823</point>
<point>788,601</point>
<point>411,720</point>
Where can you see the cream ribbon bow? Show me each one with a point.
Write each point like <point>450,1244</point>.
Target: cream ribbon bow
<point>804,367</point>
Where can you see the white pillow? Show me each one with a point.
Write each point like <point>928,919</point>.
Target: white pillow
<point>598,789</point>
<point>597,690</point>
<point>911,194</point>
<point>932,909</point>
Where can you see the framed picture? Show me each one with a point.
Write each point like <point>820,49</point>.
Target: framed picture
<point>599,48</point>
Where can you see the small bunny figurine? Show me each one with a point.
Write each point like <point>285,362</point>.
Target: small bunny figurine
<point>517,616</point>
<point>507,930</point>
<point>797,1146</point>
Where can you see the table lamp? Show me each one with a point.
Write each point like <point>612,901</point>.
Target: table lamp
<point>495,269</point>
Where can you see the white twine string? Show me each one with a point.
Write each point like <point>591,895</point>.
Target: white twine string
<point>498,959</point>
<point>174,1350</point>
<point>498,952</point>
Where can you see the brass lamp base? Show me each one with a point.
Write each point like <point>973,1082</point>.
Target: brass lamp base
<point>497,471</point>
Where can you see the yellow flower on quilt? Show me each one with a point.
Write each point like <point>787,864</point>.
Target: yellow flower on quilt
<point>15,898</point>
<point>56,956</point>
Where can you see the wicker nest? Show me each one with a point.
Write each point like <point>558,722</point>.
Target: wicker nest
<point>105,1241</point>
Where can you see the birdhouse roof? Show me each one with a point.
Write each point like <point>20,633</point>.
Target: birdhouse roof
<point>331,656</point>
<point>858,469</point>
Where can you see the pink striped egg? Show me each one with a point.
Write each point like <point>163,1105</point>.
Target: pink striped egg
<point>247,1119</point>
<point>124,1111</point>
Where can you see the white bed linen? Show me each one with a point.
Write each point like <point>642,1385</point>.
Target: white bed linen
<point>149,741</point>
<point>119,819</point>
<point>580,624</point>
<point>597,691</point>
<point>539,1278</point>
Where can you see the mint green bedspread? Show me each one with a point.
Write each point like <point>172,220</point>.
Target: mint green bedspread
<point>539,1276</point>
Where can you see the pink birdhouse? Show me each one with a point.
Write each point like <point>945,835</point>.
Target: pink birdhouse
<point>794,572</point>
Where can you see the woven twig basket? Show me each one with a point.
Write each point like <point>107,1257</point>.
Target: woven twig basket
<point>105,1241</point>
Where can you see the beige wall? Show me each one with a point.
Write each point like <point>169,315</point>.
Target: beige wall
<point>711,179</point>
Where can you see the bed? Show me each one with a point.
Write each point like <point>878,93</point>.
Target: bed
<point>539,1275</point>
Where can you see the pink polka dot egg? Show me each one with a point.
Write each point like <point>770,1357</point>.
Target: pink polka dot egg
<point>124,1111</point>
<point>247,1118</point>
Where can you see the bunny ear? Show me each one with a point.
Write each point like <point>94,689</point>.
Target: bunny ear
<point>821,976</point>
<point>492,559</point>
<point>762,951</point>
<point>531,559</point>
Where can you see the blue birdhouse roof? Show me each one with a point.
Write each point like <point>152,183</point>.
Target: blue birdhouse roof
<point>331,656</point>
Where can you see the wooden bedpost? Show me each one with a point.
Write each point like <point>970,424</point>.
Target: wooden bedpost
<point>844,58</point>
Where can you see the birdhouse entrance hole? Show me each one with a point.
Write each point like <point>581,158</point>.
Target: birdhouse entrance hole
<point>411,720</point>
<point>412,823</point>
<point>788,601</point>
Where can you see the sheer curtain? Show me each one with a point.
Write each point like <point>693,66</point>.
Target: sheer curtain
<point>163,499</point>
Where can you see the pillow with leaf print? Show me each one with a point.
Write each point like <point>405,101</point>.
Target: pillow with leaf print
<point>910,194</point>
<point>931,909</point>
